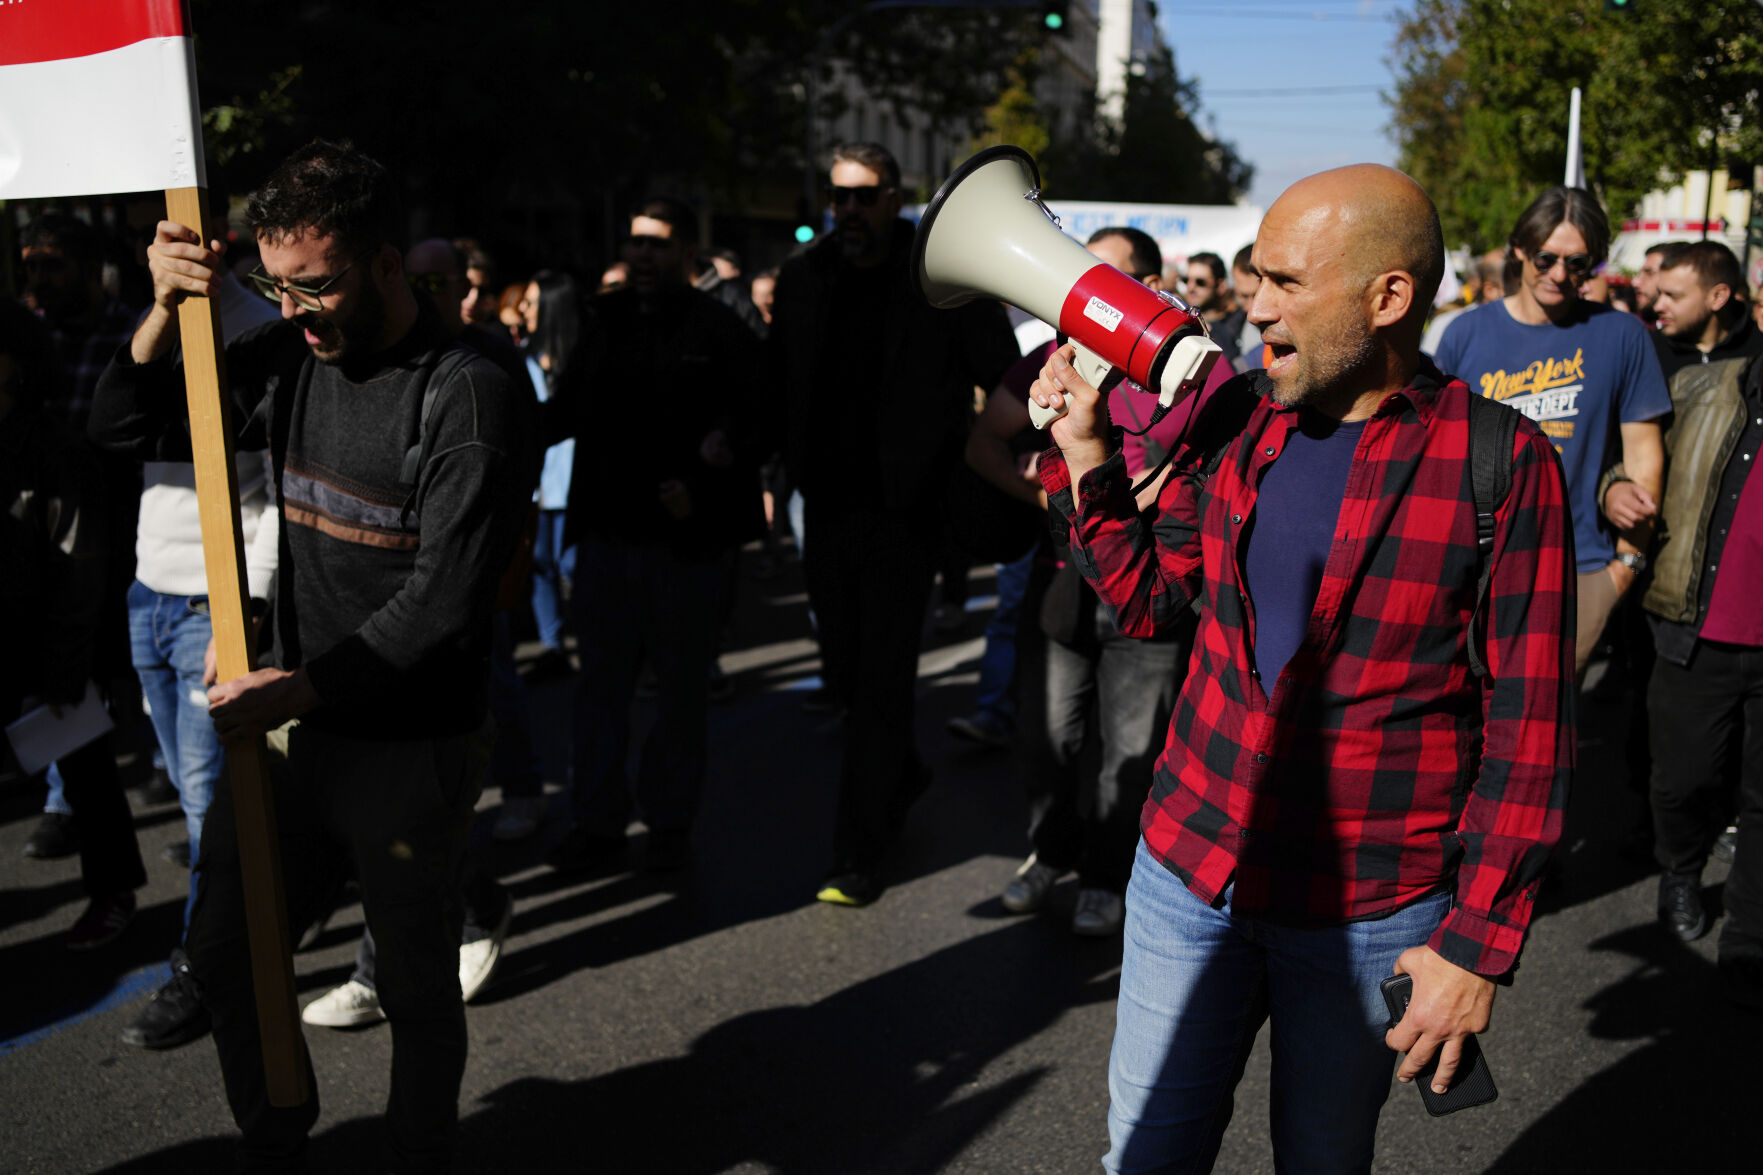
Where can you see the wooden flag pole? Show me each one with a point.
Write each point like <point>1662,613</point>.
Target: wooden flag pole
<point>217,496</point>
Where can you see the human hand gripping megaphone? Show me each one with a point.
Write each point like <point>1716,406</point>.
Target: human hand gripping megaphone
<point>987,235</point>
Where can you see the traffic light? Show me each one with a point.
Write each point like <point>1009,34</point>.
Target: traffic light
<point>1053,15</point>
<point>1618,5</point>
<point>805,221</point>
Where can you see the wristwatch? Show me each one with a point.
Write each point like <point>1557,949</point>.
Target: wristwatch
<point>1634,562</point>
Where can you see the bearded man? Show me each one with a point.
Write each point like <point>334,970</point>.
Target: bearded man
<point>1340,796</point>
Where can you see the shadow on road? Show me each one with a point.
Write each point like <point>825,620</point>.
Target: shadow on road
<point>1685,1101</point>
<point>878,1078</point>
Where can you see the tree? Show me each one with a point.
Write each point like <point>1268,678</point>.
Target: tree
<point>491,112</point>
<point>1482,93</point>
<point>1156,154</point>
<point>1016,117</point>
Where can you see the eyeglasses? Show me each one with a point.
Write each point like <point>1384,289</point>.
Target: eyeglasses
<point>305,297</point>
<point>1203,282</point>
<point>865,196</point>
<point>1578,264</point>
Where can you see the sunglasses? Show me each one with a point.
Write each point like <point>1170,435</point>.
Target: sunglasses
<point>865,196</point>
<point>1578,264</point>
<point>305,297</point>
<point>433,284</point>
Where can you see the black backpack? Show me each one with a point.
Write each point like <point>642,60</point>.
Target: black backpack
<point>1492,429</point>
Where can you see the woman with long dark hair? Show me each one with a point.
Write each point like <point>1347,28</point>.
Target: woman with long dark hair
<point>552,309</point>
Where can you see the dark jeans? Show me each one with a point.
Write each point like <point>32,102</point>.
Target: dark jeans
<point>634,602</point>
<point>1702,717</point>
<point>515,768</point>
<point>483,899</point>
<point>400,813</point>
<point>1123,689</point>
<point>868,574</point>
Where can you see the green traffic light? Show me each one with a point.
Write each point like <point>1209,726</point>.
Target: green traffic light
<point>1054,21</point>
<point>804,234</point>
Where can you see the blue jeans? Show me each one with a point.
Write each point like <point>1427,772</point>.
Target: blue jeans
<point>997,665</point>
<point>553,568</point>
<point>1196,984</point>
<point>167,642</point>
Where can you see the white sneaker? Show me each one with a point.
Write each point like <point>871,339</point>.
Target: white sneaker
<point>1028,890</point>
<point>348,1006</point>
<point>477,960</point>
<point>1100,913</point>
<point>519,818</point>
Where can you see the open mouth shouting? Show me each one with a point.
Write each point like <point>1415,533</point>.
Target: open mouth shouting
<point>1281,355</point>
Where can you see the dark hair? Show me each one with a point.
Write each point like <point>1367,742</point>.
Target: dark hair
<point>1144,256</point>
<point>26,341</point>
<point>1211,261</point>
<point>560,318</point>
<point>874,156</point>
<point>1489,270</point>
<point>1559,206</point>
<point>76,239</point>
<point>1664,248</point>
<point>722,254</point>
<point>674,214</point>
<point>328,189</point>
<point>1713,262</point>
<point>1244,261</point>
<point>476,256</point>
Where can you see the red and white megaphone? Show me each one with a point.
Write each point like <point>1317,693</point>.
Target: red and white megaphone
<point>987,235</point>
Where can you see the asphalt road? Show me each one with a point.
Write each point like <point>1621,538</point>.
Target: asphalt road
<point>726,1022</point>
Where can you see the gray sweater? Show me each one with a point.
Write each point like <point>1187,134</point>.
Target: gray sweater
<point>385,585</point>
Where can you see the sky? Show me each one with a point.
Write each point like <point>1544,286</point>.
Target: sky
<point>1295,84</point>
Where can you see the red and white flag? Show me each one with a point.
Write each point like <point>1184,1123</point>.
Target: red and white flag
<point>97,96</point>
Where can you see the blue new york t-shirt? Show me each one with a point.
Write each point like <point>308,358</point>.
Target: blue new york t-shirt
<point>1579,382</point>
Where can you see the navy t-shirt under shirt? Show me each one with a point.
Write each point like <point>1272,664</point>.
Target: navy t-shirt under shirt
<point>1291,532</point>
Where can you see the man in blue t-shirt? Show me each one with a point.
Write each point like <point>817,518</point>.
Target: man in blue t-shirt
<point>1588,376</point>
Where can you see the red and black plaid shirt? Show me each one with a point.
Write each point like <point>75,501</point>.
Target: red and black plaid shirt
<point>1377,769</point>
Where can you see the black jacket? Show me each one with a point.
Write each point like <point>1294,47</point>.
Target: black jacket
<point>927,367</point>
<point>640,394</point>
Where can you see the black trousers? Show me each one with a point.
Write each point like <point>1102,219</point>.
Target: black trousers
<point>1703,717</point>
<point>398,813</point>
<point>868,575</point>
<point>110,857</point>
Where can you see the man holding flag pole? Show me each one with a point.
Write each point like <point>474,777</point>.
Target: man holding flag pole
<point>403,468</point>
<point>126,119</point>
<point>401,465</point>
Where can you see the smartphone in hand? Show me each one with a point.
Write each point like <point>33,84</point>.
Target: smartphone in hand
<point>1472,1085</point>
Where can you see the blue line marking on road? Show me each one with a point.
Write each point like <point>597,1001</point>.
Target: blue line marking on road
<point>129,987</point>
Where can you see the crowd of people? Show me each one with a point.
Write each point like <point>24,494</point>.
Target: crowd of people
<point>1289,678</point>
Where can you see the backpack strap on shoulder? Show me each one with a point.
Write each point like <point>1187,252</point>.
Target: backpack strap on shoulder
<point>449,362</point>
<point>1493,428</point>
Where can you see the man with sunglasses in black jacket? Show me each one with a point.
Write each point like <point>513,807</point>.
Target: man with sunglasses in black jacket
<point>878,395</point>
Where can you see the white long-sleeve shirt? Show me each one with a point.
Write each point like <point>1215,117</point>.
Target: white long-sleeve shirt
<point>168,539</point>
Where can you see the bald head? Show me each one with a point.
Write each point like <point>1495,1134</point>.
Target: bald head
<point>438,267</point>
<point>1350,260</point>
<point>1379,220</point>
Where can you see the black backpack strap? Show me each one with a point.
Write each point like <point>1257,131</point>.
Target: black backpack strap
<point>449,363</point>
<point>1493,428</point>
